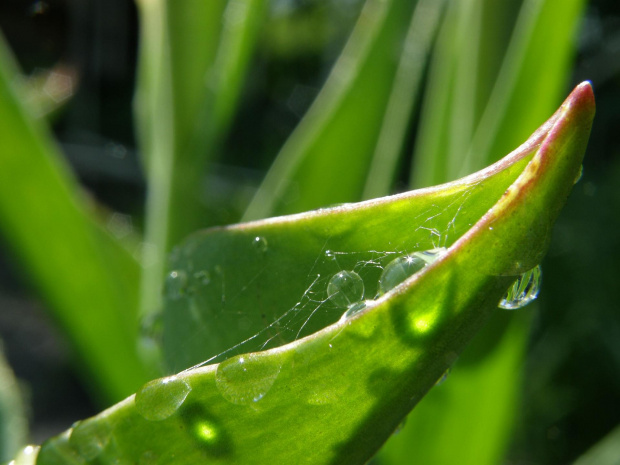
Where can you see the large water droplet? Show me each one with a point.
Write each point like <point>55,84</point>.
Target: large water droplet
<point>247,378</point>
<point>398,270</point>
<point>176,284</point>
<point>90,437</point>
<point>401,268</point>
<point>523,290</point>
<point>161,398</point>
<point>345,288</point>
<point>260,244</point>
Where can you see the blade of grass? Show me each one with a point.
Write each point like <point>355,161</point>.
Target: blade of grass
<point>403,98</point>
<point>194,55</point>
<point>537,63</point>
<point>326,159</point>
<point>87,278</point>
<point>464,66</point>
<point>336,395</point>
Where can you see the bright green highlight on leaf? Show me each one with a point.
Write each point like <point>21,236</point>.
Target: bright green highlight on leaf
<point>339,392</point>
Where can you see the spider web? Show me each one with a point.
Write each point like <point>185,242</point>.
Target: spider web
<point>436,227</point>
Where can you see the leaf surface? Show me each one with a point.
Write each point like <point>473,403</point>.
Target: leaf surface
<point>336,395</point>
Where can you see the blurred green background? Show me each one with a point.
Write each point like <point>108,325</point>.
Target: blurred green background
<point>84,54</point>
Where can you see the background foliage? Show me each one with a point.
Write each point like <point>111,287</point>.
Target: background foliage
<point>288,50</point>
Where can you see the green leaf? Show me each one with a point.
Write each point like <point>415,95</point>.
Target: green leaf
<point>88,279</point>
<point>336,395</point>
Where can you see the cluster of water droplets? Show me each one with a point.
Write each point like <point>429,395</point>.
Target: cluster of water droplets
<point>346,288</point>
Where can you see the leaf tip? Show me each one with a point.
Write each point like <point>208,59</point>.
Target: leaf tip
<point>581,99</point>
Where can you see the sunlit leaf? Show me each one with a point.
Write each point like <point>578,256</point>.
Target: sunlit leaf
<point>336,395</point>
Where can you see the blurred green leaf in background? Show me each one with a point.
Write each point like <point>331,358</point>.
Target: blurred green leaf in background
<point>173,116</point>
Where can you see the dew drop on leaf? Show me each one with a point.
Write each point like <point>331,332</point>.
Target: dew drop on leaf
<point>431,255</point>
<point>579,175</point>
<point>345,288</point>
<point>260,243</point>
<point>354,309</point>
<point>176,284</point>
<point>90,437</point>
<point>161,398</point>
<point>400,427</point>
<point>523,290</point>
<point>443,377</point>
<point>247,378</point>
<point>398,270</point>
<point>401,268</point>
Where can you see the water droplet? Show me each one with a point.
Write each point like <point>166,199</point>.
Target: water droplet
<point>354,309</point>
<point>431,255</point>
<point>443,377</point>
<point>579,175</point>
<point>400,426</point>
<point>161,398</point>
<point>260,244</point>
<point>90,437</point>
<point>176,284</point>
<point>202,277</point>
<point>247,378</point>
<point>399,270</point>
<point>330,255</point>
<point>345,288</point>
<point>523,290</point>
